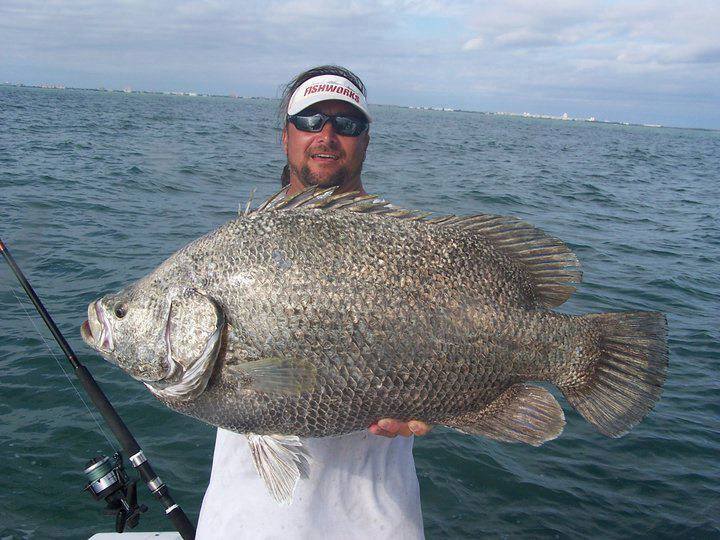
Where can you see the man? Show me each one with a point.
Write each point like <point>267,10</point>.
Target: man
<point>325,157</point>
<point>360,485</point>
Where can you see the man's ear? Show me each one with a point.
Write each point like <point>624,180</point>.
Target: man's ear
<point>366,137</point>
<point>284,139</point>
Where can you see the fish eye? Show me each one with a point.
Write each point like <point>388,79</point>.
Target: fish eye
<point>120,310</point>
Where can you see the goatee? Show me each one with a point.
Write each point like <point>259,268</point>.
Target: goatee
<point>337,179</point>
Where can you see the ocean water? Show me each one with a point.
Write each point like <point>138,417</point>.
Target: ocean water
<point>96,189</point>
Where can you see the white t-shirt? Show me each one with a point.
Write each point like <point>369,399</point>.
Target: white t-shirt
<point>360,486</point>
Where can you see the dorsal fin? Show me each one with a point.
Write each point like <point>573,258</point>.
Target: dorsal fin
<point>326,199</point>
<point>548,262</point>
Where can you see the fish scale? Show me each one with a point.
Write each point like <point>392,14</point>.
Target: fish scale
<point>382,300</point>
<point>333,311</point>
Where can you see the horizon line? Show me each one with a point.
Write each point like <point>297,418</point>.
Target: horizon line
<point>538,116</point>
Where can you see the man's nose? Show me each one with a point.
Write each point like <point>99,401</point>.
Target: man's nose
<point>328,133</point>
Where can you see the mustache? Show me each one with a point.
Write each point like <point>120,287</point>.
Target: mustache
<point>324,149</point>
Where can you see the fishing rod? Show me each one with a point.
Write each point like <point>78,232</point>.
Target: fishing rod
<point>108,480</point>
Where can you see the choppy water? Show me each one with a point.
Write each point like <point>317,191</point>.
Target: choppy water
<point>96,189</point>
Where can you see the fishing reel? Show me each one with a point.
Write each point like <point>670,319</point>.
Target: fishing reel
<point>108,480</point>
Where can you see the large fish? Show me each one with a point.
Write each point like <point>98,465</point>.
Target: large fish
<point>317,315</point>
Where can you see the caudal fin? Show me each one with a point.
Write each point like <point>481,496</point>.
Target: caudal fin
<point>629,376</point>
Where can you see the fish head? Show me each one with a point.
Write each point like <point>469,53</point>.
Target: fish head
<point>168,339</point>
<point>126,328</point>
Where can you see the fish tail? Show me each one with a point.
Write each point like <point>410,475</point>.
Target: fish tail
<point>627,376</point>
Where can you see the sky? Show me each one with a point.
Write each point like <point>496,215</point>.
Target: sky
<point>652,61</point>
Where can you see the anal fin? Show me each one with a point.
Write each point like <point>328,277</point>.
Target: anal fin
<point>523,413</point>
<point>281,461</point>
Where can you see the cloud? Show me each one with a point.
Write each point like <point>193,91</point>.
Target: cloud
<point>474,43</point>
<point>510,55</point>
<point>694,54</point>
<point>529,39</point>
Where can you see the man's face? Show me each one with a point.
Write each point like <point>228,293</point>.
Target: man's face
<point>325,158</point>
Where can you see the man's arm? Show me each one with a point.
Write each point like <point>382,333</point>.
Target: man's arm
<point>389,427</point>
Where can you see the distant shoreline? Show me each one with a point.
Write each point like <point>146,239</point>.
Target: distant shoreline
<point>564,117</point>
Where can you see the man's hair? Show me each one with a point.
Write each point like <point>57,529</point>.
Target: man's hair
<point>295,83</point>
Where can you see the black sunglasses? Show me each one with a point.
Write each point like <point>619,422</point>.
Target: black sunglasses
<point>344,125</point>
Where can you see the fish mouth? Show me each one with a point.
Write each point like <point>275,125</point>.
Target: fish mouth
<point>86,333</point>
<point>96,331</point>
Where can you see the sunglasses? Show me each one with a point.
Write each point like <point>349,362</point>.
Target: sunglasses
<point>343,125</point>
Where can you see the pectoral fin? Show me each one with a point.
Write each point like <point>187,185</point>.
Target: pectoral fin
<point>281,461</point>
<point>522,413</point>
<point>277,375</point>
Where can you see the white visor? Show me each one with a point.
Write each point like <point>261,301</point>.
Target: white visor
<point>325,88</point>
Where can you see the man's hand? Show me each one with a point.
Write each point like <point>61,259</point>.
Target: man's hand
<point>388,427</point>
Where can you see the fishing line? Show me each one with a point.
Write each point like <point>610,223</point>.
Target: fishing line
<point>108,481</point>
<point>79,395</point>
